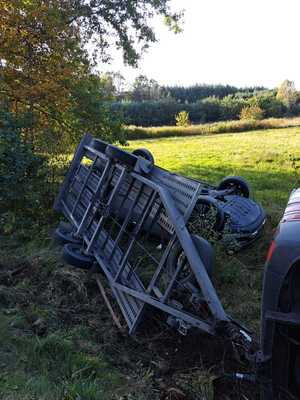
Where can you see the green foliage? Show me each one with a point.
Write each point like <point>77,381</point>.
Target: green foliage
<point>163,112</point>
<point>194,93</point>
<point>22,173</point>
<point>182,119</point>
<point>211,109</point>
<point>251,112</point>
<point>147,113</point>
<point>270,104</point>
<point>46,69</point>
<point>18,164</point>
<point>146,89</point>
<point>91,112</point>
<point>231,107</point>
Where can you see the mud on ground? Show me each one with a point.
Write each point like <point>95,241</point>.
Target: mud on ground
<point>40,298</point>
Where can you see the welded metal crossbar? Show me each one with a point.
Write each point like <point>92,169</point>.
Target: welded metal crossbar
<point>84,185</point>
<point>115,208</point>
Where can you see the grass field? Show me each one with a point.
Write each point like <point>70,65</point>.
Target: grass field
<point>57,340</point>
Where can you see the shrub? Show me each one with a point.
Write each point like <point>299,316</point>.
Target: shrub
<point>182,119</point>
<point>251,112</point>
<point>21,173</point>
<point>271,106</point>
<point>231,107</point>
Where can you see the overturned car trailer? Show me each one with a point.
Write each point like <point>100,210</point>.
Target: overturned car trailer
<point>142,227</point>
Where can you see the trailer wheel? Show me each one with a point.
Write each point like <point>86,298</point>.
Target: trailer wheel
<point>74,256</point>
<point>237,183</point>
<point>99,145</point>
<point>122,156</point>
<point>144,153</point>
<point>178,258</point>
<point>63,234</point>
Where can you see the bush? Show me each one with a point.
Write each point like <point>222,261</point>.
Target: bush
<point>251,112</point>
<point>231,107</point>
<point>272,107</point>
<point>182,119</point>
<point>22,172</point>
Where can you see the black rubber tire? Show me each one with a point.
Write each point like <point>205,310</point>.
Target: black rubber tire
<point>99,145</point>
<point>205,251</point>
<point>211,202</point>
<point>122,156</point>
<point>72,255</point>
<point>64,234</point>
<point>144,153</point>
<point>242,187</point>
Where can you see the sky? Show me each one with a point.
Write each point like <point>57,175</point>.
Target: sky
<point>236,42</point>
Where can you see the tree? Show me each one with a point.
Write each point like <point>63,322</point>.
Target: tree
<point>146,89</point>
<point>287,93</point>
<point>251,112</point>
<point>126,22</point>
<point>43,56</point>
<point>182,119</point>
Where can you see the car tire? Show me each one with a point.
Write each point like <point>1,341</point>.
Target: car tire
<point>203,204</point>
<point>241,186</point>
<point>73,255</point>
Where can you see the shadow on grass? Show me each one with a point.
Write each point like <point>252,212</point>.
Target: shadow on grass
<point>271,188</point>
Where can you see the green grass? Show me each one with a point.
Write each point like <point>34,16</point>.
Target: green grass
<point>269,160</point>
<point>81,355</point>
<point>51,367</point>
<point>136,133</point>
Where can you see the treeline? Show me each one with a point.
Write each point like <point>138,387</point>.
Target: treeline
<point>211,109</point>
<point>146,103</point>
<point>194,93</point>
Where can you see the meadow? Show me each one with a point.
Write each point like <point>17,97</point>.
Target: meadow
<point>57,337</point>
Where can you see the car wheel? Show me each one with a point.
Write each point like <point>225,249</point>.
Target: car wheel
<point>73,255</point>
<point>207,217</point>
<point>238,185</point>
